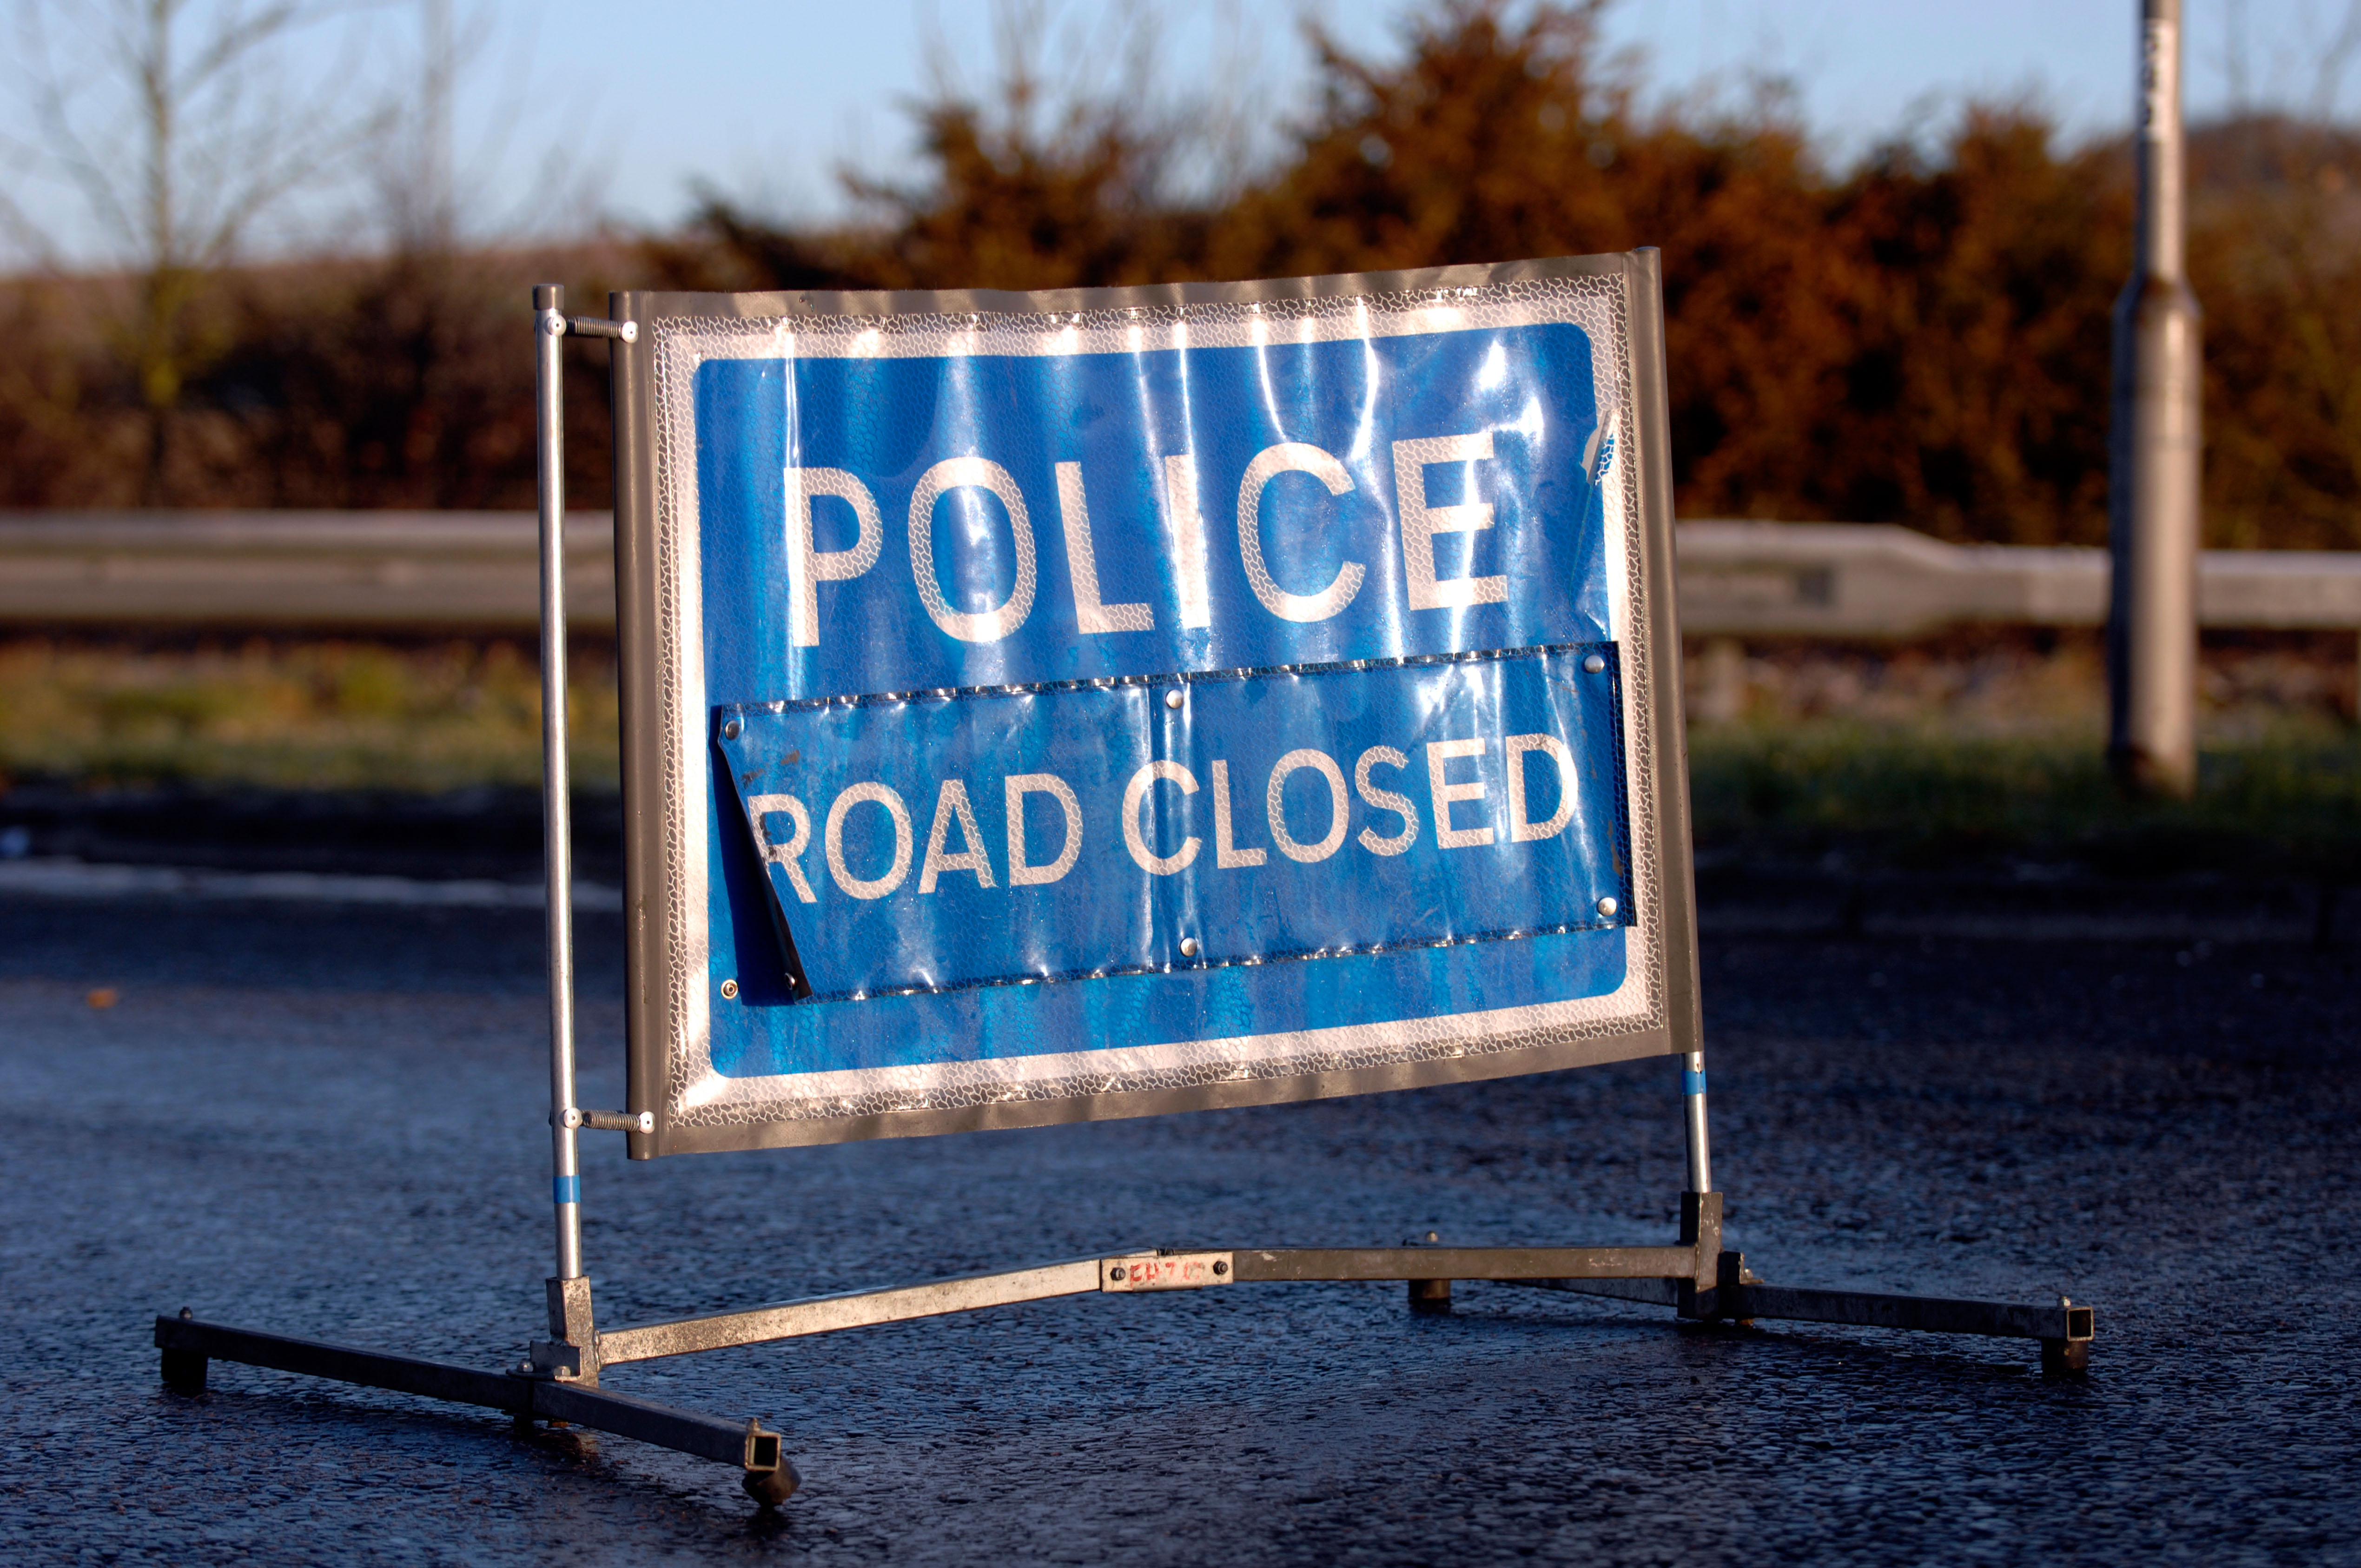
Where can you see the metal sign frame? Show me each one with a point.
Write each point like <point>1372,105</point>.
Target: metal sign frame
<point>675,1008</point>
<point>560,1381</point>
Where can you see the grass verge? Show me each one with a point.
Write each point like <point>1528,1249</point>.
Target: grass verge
<point>2280,791</point>
<point>2284,800</point>
<point>308,715</point>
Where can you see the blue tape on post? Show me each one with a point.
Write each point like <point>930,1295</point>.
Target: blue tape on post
<point>568,1188</point>
<point>1692,1080</point>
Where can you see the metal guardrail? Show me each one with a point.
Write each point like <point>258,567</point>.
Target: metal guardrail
<point>428,571</point>
<point>1880,580</point>
<point>384,571</point>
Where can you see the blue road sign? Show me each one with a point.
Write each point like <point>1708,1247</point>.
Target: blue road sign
<point>1096,705</point>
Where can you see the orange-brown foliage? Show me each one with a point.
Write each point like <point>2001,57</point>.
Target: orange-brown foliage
<point>1921,338</point>
<point>1924,338</point>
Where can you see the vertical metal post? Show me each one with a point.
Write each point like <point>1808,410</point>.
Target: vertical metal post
<point>556,805</point>
<point>2153,508</point>
<point>1700,1147</point>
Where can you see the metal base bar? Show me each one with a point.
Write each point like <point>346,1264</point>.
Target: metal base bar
<point>1927,1314</point>
<point>189,1345</point>
<point>1745,1298</point>
<point>1136,1272</point>
<point>1468,1263</point>
<point>850,1309</point>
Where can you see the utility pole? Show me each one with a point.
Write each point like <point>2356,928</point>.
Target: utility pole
<point>2154,452</point>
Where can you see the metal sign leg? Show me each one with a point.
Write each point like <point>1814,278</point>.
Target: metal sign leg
<point>556,804</point>
<point>1701,1144</point>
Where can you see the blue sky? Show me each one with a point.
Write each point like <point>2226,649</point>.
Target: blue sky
<point>811,86</point>
<point>764,99</point>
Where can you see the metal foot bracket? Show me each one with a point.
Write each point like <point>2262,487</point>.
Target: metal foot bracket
<point>189,1345</point>
<point>2065,1330</point>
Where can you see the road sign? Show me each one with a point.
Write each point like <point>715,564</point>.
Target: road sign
<point>957,827</point>
<point>1042,707</point>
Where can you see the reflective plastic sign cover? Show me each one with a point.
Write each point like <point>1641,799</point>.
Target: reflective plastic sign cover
<point>1042,707</point>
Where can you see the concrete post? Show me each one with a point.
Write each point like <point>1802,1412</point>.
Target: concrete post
<point>2153,510</point>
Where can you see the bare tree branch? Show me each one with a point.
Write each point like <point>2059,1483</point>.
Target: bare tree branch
<point>2334,59</point>
<point>173,122</point>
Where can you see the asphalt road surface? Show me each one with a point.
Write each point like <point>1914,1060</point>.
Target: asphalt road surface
<point>326,1121</point>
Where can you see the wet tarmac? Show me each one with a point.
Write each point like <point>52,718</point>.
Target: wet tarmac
<point>326,1121</point>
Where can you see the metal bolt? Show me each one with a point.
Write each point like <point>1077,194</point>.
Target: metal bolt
<point>1220,1267</point>
<point>730,729</point>
<point>1172,699</point>
<point>1607,906</point>
<point>630,332</point>
<point>1594,664</point>
<point>1115,1274</point>
<point>729,991</point>
<point>553,323</point>
<point>1188,947</point>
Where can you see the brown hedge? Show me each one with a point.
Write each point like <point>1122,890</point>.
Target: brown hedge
<point>1922,337</point>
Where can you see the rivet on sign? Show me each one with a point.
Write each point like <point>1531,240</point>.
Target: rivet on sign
<point>730,729</point>
<point>1115,1274</point>
<point>1188,947</point>
<point>1220,1268</point>
<point>1594,664</point>
<point>729,991</point>
<point>1172,699</point>
<point>1606,906</point>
